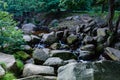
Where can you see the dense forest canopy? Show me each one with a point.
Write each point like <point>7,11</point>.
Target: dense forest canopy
<point>22,7</point>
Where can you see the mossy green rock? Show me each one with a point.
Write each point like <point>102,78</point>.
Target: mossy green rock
<point>100,70</point>
<point>21,55</point>
<point>71,39</point>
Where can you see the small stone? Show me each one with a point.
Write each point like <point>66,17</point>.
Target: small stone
<point>40,56</point>
<point>55,46</point>
<point>71,39</point>
<point>102,32</point>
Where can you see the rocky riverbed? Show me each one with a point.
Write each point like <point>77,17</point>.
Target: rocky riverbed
<point>78,48</point>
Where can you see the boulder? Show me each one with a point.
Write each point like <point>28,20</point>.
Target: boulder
<point>112,53</point>
<point>87,55</point>
<point>53,23</point>
<point>27,38</point>
<point>102,32</point>
<point>38,77</point>
<point>31,69</point>
<point>28,28</point>
<point>89,47</point>
<point>71,39</point>
<point>49,38</point>
<point>99,70</point>
<point>53,61</point>
<point>2,71</point>
<point>8,60</point>
<point>59,34</point>
<point>63,54</point>
<point>88,40</point>
<point>40,56</point>
<point>55,46</point>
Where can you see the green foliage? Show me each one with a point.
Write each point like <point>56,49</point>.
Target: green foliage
<point>21,55</point>
<point>8,76</point>
<point>10,38</point>
<point>76,4</point>
<point>20,64</point>
<point>21,7</point>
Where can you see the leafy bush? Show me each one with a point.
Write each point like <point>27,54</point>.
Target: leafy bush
<point>10,37</point>
<point>29,7</point>
<point>76,4</point>
<point>8,76</point>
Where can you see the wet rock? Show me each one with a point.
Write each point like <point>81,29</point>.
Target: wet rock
<point>71,39</point>
<point>26,47</point>
<point>31,38</point>
<point>53,61</point>
<point>28,28</point>
<point>27,38</point>
<point>112,53</point>
<point>2,71</point>
<point>35,39</point>
<point>88,40</point>
<point>117,45</point>
<point>76,17</point>
<point>87,55</point>
<point>100,70</point>
<point>31,69</point>
<point>66,33</point>
<point>89,47</point>
<point>70,61</point>
<point>102,32</point>
<point>86,18</point>
<point>53,23</point>
<point>49,38</point>
<point>8,60</point>
<point>69,18</point>
<point>80,28</point>
<point>55,46</point>
<point>40,56</point>
<point>63,54</point>
<point>59,34</point>
<point>38,77</point>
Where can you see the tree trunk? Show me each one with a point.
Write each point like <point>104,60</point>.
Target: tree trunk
<point>117,25</point>
<point>111,14</point>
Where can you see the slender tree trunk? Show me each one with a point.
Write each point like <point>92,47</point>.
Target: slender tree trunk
<point>117,25</point>
<point>103,6</point>
<point>111,14</point>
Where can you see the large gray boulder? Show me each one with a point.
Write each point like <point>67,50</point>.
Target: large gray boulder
<point>63,54</point>
<point>112,53</point>
<point>28,28</point>
<point>38,77</point>
<point>31,69</point>
<point>2,71</point>
<point>40,56</point>
<point>8,60</point>
<point>100,70</point>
